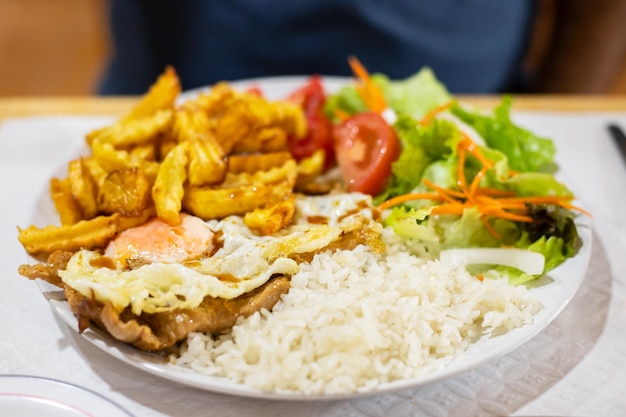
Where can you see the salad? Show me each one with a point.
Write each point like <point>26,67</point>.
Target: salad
<point>471,187</point>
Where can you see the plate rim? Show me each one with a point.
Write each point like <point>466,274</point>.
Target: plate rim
<point>49,389</point>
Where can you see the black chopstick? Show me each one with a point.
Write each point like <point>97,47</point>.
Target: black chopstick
<point>619,137</point>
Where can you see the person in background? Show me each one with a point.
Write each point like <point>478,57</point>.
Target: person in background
<point>473,46</point>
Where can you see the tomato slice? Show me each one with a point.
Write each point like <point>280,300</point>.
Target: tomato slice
<point>365,146</point>
<point>312,98</point>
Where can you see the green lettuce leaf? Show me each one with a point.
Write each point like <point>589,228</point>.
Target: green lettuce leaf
<point>526,152</point>
<point>414,96</point>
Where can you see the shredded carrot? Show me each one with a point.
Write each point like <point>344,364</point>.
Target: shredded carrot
<point>434,112</point>
<point>341,115</point>
<point>489,202</point>
<point>369,92</point>
<point>492,231</point>
<point>471,147</point>
<point>409,197</point>
<point>443,191</point>
<point>480,277</point>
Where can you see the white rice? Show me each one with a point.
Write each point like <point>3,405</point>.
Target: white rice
<point>355,319</point>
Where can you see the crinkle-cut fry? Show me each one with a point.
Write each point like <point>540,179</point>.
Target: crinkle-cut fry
<point>111,160</point>
<point>83,187</point>
<point>283,114</point>
<point>168,189</point>
<point>287,171</point>
<point>126,191</point>
<point>241,193</point>
<point>131,132</point>
<point>311,166</point>
<point>64,202</point>
<point>207,164</point>
<point>127,222</point>
<point>144,152</point>
<point>161,96</point>
<point>251,163</point>
<point>164,147</point>
<point>190,123</point>
<point>97,172</point>
<point>270,219</point>
<point>216,101</point>
<point>233,126</point>
<point>248,114</point>
<point>86,234</point>
<point>216,203</point>
<point>265,139</point>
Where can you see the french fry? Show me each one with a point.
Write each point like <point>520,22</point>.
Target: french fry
<point>131,132</point>
<point>251,163</point>
<point>111,160</point>
<point>285,172</point>
<point>269,220</point>
<point>266,139</point>
<point>64,202</point>
<point>125,191</point>
<point>283,114</point>
<point>127,222</point>
<point>206,162</point>
<point>217,101</point>
<point>190,123</point>
<point>233,126</point>
<point>161,95</point>
<point>85,234</point>
<point>216,203</point>
<point>97,172</point>
<point>83,188</point>
<point>168,189</point>
<point>145,152</point>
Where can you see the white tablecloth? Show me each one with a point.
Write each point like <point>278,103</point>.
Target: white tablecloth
<point>576,366</point>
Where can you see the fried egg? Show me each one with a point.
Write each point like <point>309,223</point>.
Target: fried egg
<point>181,265</point>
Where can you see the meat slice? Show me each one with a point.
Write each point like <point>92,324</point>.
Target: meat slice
<point>160,331</point>
<point>49,272</point>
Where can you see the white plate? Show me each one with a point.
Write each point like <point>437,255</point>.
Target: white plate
<point>555,291</point>
<point>30,396</point>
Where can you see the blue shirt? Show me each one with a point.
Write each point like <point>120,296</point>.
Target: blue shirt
<point>474,46</point>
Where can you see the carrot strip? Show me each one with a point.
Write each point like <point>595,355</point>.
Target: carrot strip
<point>493,192</point>
<point>368,91</point>
<point>441,190</point>
<point>473,149</point>
<point>547,199</point>
<point>479,176</point>
<point>450,208</point>
<point>434,112</point>
<point>409,197</point>
<point>492,231</point>
<point>341,115</point>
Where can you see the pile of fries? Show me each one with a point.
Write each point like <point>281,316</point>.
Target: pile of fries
<point>224,152</point>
